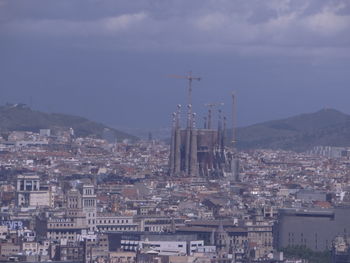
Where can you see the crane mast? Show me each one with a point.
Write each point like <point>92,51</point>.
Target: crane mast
<point>233,121</point>
<point>190,78</point>
<point>210,109</point>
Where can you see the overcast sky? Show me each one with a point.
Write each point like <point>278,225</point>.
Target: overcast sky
<point>109,60</point>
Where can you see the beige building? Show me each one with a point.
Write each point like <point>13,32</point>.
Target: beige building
<point>122,257</point>
<point>89,206</point>
<point>112,222</point>
<point>28,192</point>
<point>3,232</point>
<point>66,228</point>
<point>25,185</point>
<point>158,223</point>
<point>260,236</point>
<point>41,198</point>
<point>8,249</point>
<point>30,247</point>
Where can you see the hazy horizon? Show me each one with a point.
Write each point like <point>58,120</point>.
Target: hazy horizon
<point>109,61</point>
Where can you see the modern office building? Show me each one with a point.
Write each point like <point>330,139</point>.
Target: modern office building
<point>314,228</point>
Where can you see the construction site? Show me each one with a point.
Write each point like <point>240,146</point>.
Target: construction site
<point>203,152</point>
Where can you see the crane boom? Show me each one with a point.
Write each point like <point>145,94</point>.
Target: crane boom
<point>190,78</point>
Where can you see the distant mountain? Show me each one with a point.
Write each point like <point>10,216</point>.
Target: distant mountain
<point>19,117</point>
<point>327,127</point>
<point>148,133</point>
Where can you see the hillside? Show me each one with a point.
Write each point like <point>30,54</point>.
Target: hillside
<point>22,118</point>
<point>326,127</point>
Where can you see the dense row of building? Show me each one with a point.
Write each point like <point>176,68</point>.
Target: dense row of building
<point>86,200</point>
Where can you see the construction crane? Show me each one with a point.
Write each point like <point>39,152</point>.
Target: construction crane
<point>190,78</point>
<point>233,120</point>
<point>211,105</point>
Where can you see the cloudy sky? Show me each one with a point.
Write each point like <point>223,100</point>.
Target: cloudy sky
<point>109,60</point>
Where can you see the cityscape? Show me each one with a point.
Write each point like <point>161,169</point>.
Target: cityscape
<point>198,199</point>
<point>216,185</point>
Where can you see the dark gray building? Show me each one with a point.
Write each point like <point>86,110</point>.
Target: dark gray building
<point>313,228</point>
<point>312,195</point>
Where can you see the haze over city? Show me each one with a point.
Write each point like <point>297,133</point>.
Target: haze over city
<point>171,131</point>
<point>110,60</point>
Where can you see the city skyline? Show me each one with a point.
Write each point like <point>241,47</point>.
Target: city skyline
<point>164,131</point>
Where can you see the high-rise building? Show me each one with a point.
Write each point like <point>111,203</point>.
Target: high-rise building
<point>89,205</point>
<point>313,228</point>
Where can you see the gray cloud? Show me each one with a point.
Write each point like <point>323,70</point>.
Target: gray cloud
<point>272,26</point>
